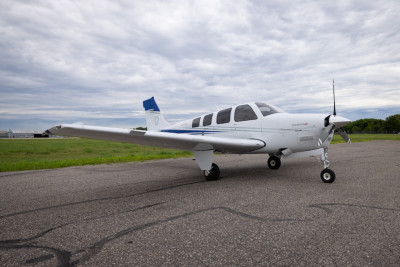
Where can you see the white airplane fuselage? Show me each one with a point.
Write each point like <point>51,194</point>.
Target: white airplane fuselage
<point>278,131</point>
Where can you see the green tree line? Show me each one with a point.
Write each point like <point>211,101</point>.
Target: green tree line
<point>390,125</point>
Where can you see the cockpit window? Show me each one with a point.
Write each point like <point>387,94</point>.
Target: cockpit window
<point>224,116</point>
<point>244,113</point>
<point>196,122</point>
<point>207,119</point>
<point>266,109</point>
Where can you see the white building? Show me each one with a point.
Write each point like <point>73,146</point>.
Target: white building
<point>22,134</point>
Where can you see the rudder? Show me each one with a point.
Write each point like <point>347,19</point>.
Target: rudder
<point>154,119</point>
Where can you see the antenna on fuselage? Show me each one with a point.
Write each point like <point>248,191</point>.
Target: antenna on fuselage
<point>334,101</point>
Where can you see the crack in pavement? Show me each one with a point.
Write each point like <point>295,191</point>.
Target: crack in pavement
<point>64,257</point>
<point>95,248</point>
<point>41,234</point>
<point>94,200</point>
<point>327,210</point>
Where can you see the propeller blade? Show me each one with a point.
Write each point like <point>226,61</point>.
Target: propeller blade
<point>325,134</point>
<point>344,135</point>
<point>334,99</point>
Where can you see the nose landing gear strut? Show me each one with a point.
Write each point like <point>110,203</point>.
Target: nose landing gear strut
<point>327,175</point>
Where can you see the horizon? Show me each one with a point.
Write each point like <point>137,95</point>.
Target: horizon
<point>168,117</point>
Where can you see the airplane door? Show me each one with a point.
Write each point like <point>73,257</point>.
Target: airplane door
<point>245,122</point>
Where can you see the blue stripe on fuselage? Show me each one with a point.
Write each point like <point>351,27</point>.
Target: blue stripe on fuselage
<point>189,131</point>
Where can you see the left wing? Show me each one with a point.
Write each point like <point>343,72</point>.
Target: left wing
<point>159,139</point>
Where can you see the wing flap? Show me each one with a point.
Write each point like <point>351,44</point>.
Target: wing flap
<point>159,139</point>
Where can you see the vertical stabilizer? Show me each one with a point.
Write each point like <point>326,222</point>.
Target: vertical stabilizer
<point>154,119</point>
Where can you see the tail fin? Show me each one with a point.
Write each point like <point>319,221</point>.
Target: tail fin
<point>154,119</point>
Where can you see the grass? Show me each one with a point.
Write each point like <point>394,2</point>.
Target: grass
<point>33,154</point>
<point>366,137</point>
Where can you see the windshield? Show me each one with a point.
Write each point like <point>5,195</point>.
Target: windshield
<point>268,109</point>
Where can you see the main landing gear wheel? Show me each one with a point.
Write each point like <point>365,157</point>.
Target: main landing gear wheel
<point>328,176</point>
<point>274,162</point>
<point>213,174</point>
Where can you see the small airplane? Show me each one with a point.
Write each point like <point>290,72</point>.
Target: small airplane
<point>250,128</point>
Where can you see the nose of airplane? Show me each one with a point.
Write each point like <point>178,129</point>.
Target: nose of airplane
<point>339,121</point>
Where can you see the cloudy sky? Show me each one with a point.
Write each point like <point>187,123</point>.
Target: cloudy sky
<point>96,61</point>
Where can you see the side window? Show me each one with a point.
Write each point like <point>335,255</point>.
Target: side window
<point>244,113</point>
<point>196,122</point>
<point>224,116</point>
<point>207,119</point>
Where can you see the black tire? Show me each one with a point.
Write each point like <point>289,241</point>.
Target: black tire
<point>213,174</point>
<point>274,162</point>
<point>328,176</point>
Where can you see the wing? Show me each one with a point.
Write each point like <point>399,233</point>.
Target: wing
<point>159,139</point>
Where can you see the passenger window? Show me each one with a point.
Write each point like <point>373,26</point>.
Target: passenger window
<point>207,119</point>
<point>244,113</point>
<point>196,122</point>
<point>224,116</point>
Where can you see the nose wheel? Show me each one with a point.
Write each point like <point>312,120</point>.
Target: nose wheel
<point>328,176</point>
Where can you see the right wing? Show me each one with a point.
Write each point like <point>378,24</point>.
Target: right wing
<point>159,139</point>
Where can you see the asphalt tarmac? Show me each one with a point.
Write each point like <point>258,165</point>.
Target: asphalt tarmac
<point>165,213</point>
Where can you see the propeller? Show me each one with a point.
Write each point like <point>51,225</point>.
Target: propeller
<point>325,134</point>
<point>344,135</point>
<point>334,100</point>
<point>332,123</point>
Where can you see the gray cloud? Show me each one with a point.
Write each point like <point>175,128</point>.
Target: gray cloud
<point>95,62</point>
